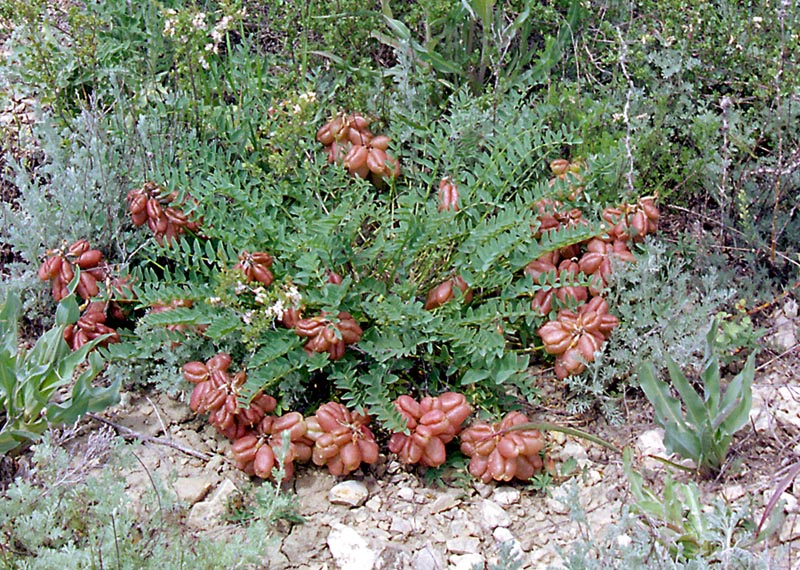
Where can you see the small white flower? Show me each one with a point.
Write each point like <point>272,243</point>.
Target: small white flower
<point>169,28</point>
<point>261,296</point>
<point>216,35</point>
<point>293,295</point>
<point>277,310</point>
<point>308,97</point>
<point>240,288</point>
<point>247,318</point>
<point>214,300</point>
<point>204,63</point>
<point>199,21</point>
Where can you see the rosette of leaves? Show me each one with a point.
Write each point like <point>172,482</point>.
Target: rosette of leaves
<point>342,440</point>
<point>329,335</point>
<point>632,221</point>
<point>217,393</point>
<point>255,267</point>
<point>62,264</point>
<point>574,336</point>
<point>152,205</point>
<point>91,326</point>
<point>256,452</point>
<point>30,379</point>
<point>347,139</point>
<point>445,292</point>
<point>432,423</point>
<point>501,455</point>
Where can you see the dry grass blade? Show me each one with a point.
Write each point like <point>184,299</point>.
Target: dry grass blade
<point>782,486</point>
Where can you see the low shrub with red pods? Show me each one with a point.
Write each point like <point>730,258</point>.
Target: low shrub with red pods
<point>499,454</point>
<point>348,140</point>
<point>574,336</point>
<point>432,423</point>
<point>342,439</point>
<point>443,293</point>
<point>448,195</point>
<point>255,267</point>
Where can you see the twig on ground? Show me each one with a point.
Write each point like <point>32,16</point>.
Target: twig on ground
<point>129,433</point>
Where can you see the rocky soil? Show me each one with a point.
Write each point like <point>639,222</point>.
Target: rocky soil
<point>388,516</point>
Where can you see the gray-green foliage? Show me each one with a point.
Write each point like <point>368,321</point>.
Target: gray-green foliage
<point>75,189</point>
<point>664,308</point>
<point>703,431</point>
<point>73,511</point>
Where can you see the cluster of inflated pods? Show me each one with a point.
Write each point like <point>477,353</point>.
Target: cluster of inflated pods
<point>348,140</point>
<point>575,335</point>
<point>341,440</point>
<point>152,205</point>
<point>60,267</point>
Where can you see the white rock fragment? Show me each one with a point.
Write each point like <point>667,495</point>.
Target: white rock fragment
<point>558,501</point>
<point>191,490</point>
<point>649,443</point>
<point>429,558</point>
<point>506,496</point>
<point>349,549</point>
<point>463,545</point>
<point>493,515</point>
<point>504,536</point>
<point>574,450</point>
<point>406,494</point>
<point>466,561</point>
<point>444,503</point>
<point>348,493</point>
<point>209,512</point>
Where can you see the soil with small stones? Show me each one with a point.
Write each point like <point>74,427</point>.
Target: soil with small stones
<point>403,519</point>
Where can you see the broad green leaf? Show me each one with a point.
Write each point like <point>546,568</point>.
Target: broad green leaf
<point>9,318</point>
<point>398,28</point>
<point>677,436</point>
<point>710,378</point>
<point>695,408</point>
<point>68,311</point>
<point>738,399</point>
<point>85,398</point>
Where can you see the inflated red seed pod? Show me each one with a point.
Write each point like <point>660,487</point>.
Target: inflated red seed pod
<point>255,267</point>
<point>329,335</point>
<point>91,325</point>
<point>448,195</point>
<point>501,455</point>
<point>217,393</point>
<point>443,293</point>
<point>574,337</point>
<point>151,205</point>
